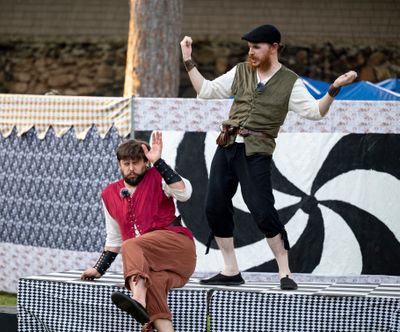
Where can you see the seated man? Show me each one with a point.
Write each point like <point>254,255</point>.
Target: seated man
<point>158,252</point>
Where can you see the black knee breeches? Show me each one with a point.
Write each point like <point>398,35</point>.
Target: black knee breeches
<point>229,167</point>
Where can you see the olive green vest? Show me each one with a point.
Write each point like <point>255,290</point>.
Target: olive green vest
<point>260,111</point>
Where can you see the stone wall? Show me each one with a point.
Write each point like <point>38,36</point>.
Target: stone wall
<point>97,67</point>
<point>82,68</point>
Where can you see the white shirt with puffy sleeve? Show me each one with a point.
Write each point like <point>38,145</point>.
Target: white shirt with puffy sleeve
<point>300,102</point>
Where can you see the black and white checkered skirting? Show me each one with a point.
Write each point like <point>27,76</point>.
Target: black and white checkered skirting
<point>61,302</point>
<point>58,306</point>
<point>261,312</point>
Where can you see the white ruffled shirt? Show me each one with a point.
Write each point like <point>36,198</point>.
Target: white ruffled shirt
<point>114,238</point>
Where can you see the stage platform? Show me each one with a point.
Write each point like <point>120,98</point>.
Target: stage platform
<point>62,302</point>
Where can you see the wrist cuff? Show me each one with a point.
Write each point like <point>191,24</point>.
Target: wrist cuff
<point>105,260</point>
<point>167,173</point>
<point>189,64</point>
<point>333,91</point>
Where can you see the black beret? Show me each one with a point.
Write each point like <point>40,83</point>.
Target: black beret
<point>263,34</point>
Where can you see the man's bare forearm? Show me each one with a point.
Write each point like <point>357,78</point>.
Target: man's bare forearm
<point>196,78</point>
<point>327,100</point>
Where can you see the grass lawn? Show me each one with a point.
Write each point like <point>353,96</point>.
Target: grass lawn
<point>8,299</point>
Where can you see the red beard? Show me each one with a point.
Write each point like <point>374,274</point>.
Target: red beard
<point>264,65</point>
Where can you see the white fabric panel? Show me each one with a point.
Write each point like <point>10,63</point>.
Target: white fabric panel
<point>341,252</point>
<point>375,192</point>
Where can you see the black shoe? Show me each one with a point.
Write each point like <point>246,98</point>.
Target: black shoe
<point>221,279</point>
<point>131,306</point>
<point>288,284</point>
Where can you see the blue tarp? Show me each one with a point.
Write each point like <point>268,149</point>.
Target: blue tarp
<point>392,84</point>
<point>361,90</point>
<point>364,90</point>
<point>316,88</point>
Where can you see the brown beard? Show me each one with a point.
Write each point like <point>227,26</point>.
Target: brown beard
<point>264,65</point>
<point>135,181</point>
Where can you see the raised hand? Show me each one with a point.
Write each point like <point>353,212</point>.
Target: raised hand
<point>345,79</point>
<point>156,147</point>
<point>186,47</point>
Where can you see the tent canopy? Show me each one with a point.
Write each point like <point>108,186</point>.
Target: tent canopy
<point>392,84</point>
<point>364,90</point>
<point>316,88</point>
<point>361,90</point>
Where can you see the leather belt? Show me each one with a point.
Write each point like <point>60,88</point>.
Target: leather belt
<point>226,131</point>
<point>247,132</point>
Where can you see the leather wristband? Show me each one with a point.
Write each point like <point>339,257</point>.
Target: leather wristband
<point>167,173</point>
<point>189,64</point>
<point>333,91</point>
<point>105,260</point>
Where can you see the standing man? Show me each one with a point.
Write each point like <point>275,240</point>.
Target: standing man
<point>158,252</point>
<point>264,91</point>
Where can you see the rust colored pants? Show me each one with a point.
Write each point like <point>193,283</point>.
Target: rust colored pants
<point>165,260</point>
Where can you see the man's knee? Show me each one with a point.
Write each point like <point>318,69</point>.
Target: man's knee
<point>268,224</point>
<point>220,224</point>
<point>130,245</point>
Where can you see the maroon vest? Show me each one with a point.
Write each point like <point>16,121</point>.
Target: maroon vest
<point>147,209</point>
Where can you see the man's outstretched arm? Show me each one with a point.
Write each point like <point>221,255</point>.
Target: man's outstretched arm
<point>326,101</point>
